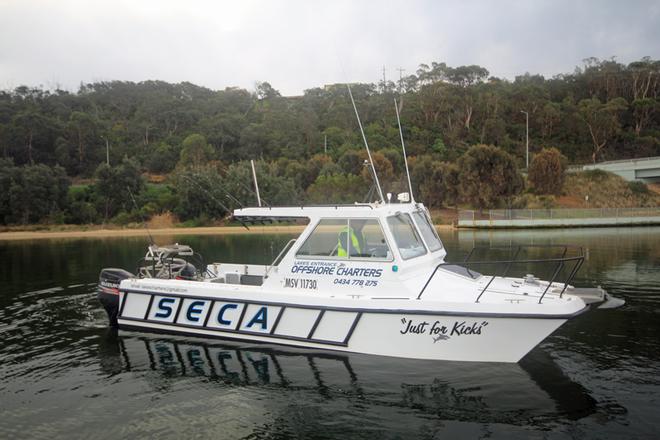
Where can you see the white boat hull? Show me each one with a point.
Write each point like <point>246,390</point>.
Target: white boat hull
<point>399,332</point>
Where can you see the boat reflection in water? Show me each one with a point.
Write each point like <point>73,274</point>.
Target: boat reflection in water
<point>482,392</point>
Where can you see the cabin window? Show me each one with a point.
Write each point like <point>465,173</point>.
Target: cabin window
<point>406,236</point>
<point>370,238</point>
<point>427,230</point>
<point>346,238</point>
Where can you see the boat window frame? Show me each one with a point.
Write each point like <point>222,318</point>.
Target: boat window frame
<point>416,232</point>
<point>348,257</point>
<point>432,228</point>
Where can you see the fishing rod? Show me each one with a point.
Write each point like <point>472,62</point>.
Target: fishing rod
<point>244,186</point>
<point>144,223</point>
<point>224,190</point>
<point>366,144</point>
<point>216,201</point>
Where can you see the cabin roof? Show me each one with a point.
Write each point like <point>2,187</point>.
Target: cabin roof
<point>358,210</point>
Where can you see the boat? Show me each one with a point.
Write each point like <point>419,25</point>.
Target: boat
<point>388,292</point>
<point>366,278</point>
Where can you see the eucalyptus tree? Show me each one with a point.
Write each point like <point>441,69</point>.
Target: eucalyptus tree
<point>603,121</point>
<point>488,176</point>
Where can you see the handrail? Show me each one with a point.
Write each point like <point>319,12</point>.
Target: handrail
<point>279,256</point>
<point>561,263</point>
<point>565,247</point>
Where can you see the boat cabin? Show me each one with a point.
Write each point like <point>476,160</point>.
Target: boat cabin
<point>355,248</point>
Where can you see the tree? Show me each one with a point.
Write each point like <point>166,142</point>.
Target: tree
<point>313,167</point>
<point>487,176</point>
<point>273,189</point>
<point>603,121</point>
<point>201,192</point>
<point>549,117</point>
<point>8,173</point>
<point>643,109</point>
<point>546,172</point>
<point>34,131</point>
<point>351,162</point>
<point>337,188</point>
<point>266,91</point>
<point>421,171</point>
<point>36,193</point>
<point>163,160</point>
<point>441,189</point>
<point>384,169</point>
<point>602,109</point>
<point>83,131</point>
<point>195,152</point>
<point>112,187</point>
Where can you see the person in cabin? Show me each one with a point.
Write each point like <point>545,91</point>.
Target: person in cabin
<point>350,240</point>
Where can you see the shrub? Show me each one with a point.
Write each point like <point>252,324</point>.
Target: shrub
<point>547,171</point>
<point>488,175</point>
<point>442,186</point>
<point>122,219</point>
<point>638,188</point>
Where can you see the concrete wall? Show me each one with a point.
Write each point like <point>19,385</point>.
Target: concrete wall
<point>559,222</point>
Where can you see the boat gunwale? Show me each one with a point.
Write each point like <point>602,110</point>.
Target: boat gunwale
<point>352,309</point>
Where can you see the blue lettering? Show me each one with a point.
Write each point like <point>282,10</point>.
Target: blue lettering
<point>195,308</point>
<point>165,307</point>
<point>222,311</point>
<point>261,317</point>
<point>313,270</point>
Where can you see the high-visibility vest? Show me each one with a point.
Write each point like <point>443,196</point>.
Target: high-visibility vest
<point>355,243</point>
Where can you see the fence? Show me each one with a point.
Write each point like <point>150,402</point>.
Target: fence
<point>558,217</point>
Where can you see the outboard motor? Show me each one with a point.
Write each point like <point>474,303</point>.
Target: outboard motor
<point>108,291</point>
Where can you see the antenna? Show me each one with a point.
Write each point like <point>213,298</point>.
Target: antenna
<point>256,184</point>
<point>403,145</point>
<point>364,138</point>
<point>144,223</point>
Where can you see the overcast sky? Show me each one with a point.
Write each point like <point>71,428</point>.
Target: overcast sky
<point>296,45</point>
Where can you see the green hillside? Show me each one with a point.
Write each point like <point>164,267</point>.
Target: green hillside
<point>194,141</point>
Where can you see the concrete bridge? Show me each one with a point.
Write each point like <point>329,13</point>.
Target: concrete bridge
<point>646,169</point>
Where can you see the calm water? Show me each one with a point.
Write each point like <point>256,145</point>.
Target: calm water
<point>63,373</point>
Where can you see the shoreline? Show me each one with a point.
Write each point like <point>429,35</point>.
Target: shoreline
<point>141,232</point>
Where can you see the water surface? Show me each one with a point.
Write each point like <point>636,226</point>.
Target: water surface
<point>63,373</point>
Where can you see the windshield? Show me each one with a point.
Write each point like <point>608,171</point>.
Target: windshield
<point>406,236</point>
<point>345,239</point>
<point>428,231</point>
